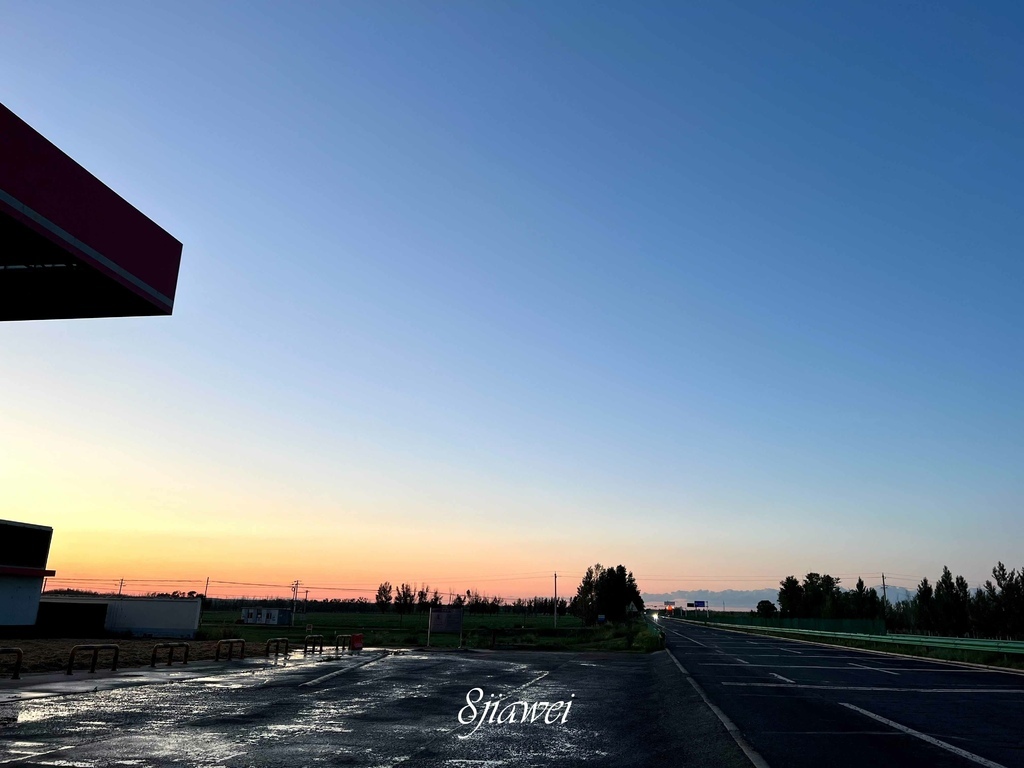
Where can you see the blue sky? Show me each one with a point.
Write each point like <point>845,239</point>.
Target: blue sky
<point>715,290</point>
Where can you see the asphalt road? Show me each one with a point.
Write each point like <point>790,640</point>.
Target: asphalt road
<point>394,710</point>
<point>798,704</point>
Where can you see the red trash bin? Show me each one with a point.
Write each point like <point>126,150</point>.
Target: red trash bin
<point>357,644</point>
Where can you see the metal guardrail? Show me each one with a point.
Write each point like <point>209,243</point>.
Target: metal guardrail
<point>277,645</point>
<point>18,655</point>
<point>231,648</point>
<point>95,649</point>
<point>169,647</point>
<point>965,643</point>
<point>342,643</point>
<point>310,642</point>
<point>923,641</point>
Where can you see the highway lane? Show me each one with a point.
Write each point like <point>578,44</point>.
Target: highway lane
<point>800,704</point>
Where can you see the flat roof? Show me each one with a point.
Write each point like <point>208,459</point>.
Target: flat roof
<point>69,245</point>
<point>27,525</point>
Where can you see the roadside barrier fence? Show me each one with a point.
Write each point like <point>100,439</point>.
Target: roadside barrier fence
<point>169,647</point>
<point>277,645</point>
<point>920,641</point>
<point>95,650</point>
<point>231,643</point>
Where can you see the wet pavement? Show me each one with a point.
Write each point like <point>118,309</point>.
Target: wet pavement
<point>375,710</point>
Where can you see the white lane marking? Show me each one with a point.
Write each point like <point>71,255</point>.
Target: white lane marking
<point>774,674</point>
<point>787,650</point>
<point>41,754</point>
<point>796,666</point>
<point>833,656</point>
<point>730,726</point>
<point>905,656</point>
<point>877,669</point>
<point>878,688</point>
<point>328,676</point>
<point>741,661</point>
<point>925,737</point>
<point>702,645</point>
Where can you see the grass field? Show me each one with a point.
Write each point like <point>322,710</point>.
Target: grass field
<point>479,631</point>
<point>391,629</point>
<point>501,631</point>
<point>394,621</point>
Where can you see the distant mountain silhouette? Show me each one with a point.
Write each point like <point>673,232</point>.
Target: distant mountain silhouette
<point>893,593</point>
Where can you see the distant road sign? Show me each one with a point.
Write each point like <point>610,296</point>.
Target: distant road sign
<point>700,604</point>
<point>690,605</point>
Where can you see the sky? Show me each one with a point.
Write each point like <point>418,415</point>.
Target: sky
<point>472,293</point>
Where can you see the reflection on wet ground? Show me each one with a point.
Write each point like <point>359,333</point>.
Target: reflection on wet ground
<point>384,711</point>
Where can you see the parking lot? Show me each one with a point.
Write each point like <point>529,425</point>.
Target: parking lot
<point>380,709</point>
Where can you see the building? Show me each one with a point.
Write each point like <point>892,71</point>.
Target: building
<point>91,616</point>
<point>24,550</point>
<point>69,245</point>
<point>281,617</point>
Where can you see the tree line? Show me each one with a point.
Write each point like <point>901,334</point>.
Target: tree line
<point>821,597</point>
<point>948,608</point>
<point>608,592</point>
<point>994,610</point>
<point>411,599</point>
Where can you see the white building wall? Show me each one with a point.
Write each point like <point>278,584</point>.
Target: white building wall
<point>19,599</point>
<point>157,617</point>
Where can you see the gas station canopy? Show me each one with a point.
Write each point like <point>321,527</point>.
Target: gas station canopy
<point>69,245</point>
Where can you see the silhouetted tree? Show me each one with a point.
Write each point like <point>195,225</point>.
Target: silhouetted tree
<point>405,599</point>
<point>383,598</point>
<point>609,592</point>
<point>924,606</point>
<point>791,598</point>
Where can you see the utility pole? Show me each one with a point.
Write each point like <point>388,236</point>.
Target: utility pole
<point>556,600</point>
<point>202,602</point>
<point>295,598</point>
<point>885,600</point>
<point>120,587</point>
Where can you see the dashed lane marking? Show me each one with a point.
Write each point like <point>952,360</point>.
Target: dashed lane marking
<point>786,679</point>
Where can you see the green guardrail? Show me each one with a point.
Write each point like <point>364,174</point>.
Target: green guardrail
<point>922,641</point>
<point>852,626</point>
